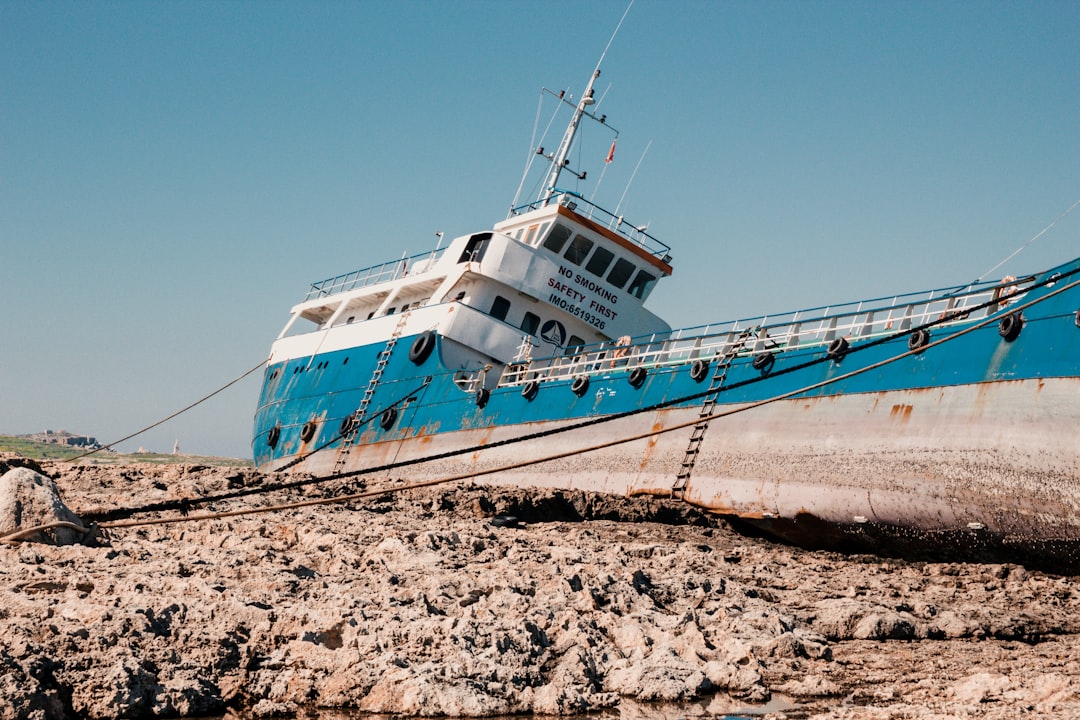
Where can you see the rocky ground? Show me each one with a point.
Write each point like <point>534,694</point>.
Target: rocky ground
<point>473,601</point>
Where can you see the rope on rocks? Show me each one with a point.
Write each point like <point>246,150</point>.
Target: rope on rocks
<point>569,453</point>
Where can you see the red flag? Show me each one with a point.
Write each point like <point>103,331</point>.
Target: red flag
<point>611,153</point>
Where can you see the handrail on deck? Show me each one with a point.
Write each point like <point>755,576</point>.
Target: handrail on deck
<point>574,201</point>
<point>372,275</point>
<point>864,320</point>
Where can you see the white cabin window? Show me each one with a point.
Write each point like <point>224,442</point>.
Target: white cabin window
<point>500,308</point>
<point>599,261</point>
<point>558,237</point>
<point>578,250</point>
<point>475,248</point>
<point>530,237</point>
<point>642,285</point>
<point>531,323</point>
<point>620,273</point>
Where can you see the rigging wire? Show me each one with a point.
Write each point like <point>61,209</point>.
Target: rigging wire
<point>632,176</point>
<point>532,150</point>
<point>1023,247</point>
<point>170,417</point>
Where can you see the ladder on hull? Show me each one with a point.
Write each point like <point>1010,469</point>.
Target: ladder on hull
<point>349,433</point>
<point>682,479</point>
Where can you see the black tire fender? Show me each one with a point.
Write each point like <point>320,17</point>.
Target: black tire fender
<point>1009,327</point>
<point>422,347</point>
<point>530,389</point>
<point>273,436</point>
<point>838,348</point>
<point>308,431</point>
<point>637,377</point>
<point>699,370</point>
<point>388,418</point>
<point>763,362</point>
<point>580,386</point>
<point>918,340</point>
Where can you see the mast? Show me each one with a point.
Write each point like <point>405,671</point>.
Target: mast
<point>559,161</point>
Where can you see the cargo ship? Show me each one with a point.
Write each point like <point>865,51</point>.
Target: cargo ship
<point>525,354</point>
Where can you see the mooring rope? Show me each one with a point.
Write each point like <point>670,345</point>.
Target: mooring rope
<point>570,453</point>
<point>175,414</point>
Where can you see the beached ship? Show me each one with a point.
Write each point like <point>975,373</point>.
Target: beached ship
<point>524,354</point>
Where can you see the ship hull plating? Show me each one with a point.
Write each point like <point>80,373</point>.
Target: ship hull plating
<point>974,441</point>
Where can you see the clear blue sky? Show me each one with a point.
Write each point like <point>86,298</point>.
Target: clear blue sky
<point>174,174</point>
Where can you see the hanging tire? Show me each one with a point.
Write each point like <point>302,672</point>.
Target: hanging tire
<point>580,386</point>
<point>1009,327</point>
<point>388,418</point>
<point>348,423</point>
<point>308,431</point>
<point>637,377</point>
<point>763,362</point>
<point>273,436</point>
<point>482,397</point>
<point>422,347</point>
<point>530,389</point>
<point>699,370</point>
<point>918,340</point>
<point>838,348</point>
<point>1076,319</point>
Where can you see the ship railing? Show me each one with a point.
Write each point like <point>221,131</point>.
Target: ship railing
<point>637,234</point>
<point>809,328</point>
<point>373,275</point>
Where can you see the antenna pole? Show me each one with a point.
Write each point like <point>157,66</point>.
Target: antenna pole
<point>559,161</point>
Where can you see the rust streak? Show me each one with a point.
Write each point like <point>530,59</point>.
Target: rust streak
<point>901,412</point>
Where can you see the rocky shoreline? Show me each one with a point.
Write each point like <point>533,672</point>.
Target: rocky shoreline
<point>477,601</point>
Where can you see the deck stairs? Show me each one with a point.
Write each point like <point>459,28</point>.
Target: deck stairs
<point>708,405</point>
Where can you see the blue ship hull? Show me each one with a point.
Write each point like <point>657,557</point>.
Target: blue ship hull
<point>973,433</point>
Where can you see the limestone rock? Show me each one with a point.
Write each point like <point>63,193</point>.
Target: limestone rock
<point>29,499</point>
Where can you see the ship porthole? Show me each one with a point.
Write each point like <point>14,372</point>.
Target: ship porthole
<point>763,362</point>
<point>272,436</point>
<point>580,386</point>
<point>308,431</point>
<point>482,397</point>
<point>422,347</point>
<point>530,389</point>
<point>388,418</point>
<point>698,370</point>
<point>838,348</point>
<point>1009,327</point>
<point>918,340</point>
<point>637,377</point>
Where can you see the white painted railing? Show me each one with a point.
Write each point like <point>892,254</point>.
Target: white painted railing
<point>864,320</point>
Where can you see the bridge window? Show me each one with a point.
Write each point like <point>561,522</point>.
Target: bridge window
<point>558,237</point>
<point>531,323</point>
<point>578,250</point>
<point>599,261</point>
<point>532,236</point>
<point>620,273</point>
<point>500,307</point>
<point>574,346</point>
<point>643,283</point>
<point>475,248</point>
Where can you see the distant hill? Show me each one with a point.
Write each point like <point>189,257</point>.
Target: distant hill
<point>32,446</point>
